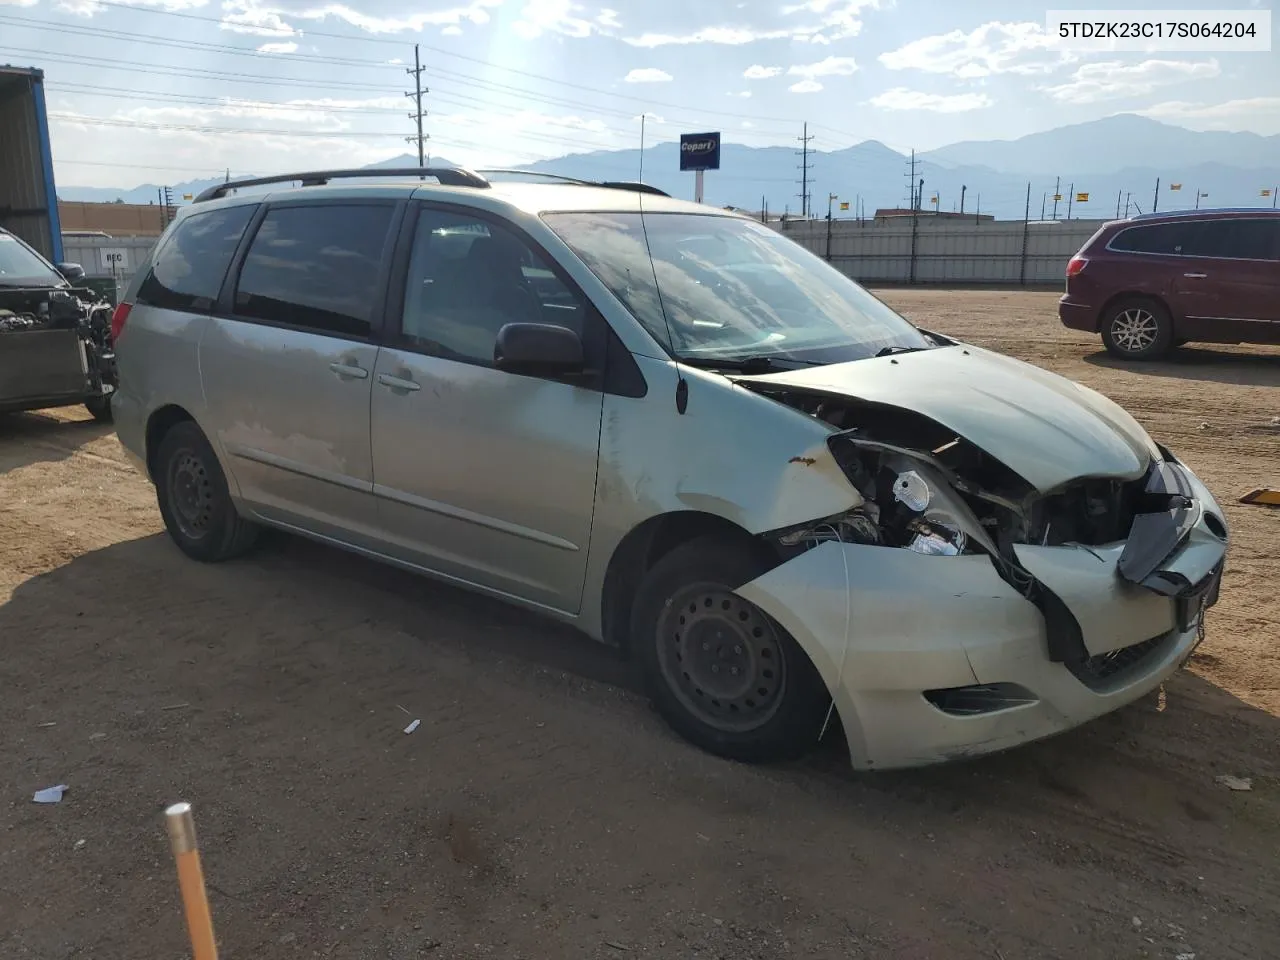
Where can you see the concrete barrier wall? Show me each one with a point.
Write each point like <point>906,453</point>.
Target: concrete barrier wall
<point>996,252</point>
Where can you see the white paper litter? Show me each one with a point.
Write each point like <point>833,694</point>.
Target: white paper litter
<point>50,794</point>
<point>1235,783</point>
<point>412,727</point>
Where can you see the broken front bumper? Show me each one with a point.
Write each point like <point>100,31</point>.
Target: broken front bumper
<point>938,658</point>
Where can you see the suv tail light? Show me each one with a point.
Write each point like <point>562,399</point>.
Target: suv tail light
<point>118,320</point>
<point>1075,266</point>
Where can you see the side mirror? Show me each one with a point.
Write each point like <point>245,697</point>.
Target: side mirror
<point>71,272</point>
<point>539,349</point>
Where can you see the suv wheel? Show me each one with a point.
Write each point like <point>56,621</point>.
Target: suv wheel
<point>721,671</point>
<point>194,500</point>
<point>100,408</point>
<point>1137,330</point>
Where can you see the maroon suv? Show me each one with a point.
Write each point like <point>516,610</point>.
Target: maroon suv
<point>1157,281</point>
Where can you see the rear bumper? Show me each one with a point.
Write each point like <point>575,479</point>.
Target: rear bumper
<point>930,659</point>
<point>1077,316</point>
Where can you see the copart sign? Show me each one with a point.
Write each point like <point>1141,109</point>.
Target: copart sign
<point>700,151</point>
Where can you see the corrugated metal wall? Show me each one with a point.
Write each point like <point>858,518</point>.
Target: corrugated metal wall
<point>988,252</point>
<point>22,184</point>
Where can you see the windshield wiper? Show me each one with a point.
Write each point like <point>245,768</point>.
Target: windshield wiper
<point>756,364</point>
<point>894,351</point>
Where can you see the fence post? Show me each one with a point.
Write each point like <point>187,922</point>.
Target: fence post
<point>1026,235</point>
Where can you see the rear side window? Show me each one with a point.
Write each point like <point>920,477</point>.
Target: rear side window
<point>316,267</point>
<point>1166,238</point>
<point>1241,239</point>
<point>188,270</point>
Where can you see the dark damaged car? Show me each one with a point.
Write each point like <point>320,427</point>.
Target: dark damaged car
<point>55,337</point>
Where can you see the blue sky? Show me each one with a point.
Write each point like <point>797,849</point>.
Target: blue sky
<point>151,90</point>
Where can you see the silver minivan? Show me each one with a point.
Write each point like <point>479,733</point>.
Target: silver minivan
<point>677,429</point>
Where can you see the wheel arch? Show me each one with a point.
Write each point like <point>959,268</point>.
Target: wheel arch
<point>161,421</point>
<point>1132,296</point>
<point>642,547</point>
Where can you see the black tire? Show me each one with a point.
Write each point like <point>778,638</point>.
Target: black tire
<point>194,500</point>
<point>773,709</point>
<point>100,409</point>
<point>1137,329</point>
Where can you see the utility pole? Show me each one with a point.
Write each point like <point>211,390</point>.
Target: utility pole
<point>1274,191</point>
<point>1119,194</point>
<point>1126,203</point>
<point>168,205</point>
<point>1044,198</point>
<point>977,209</point>
<point>1026,238</point>
<point>418,114</point>
<point>642,151</point>
<point>830,199</point>
<point>1057,192</point>
<point>963,188</point>
<point>1155,198</point>
<point>1071,195</point>
<point>228,180</point>
<point>911,182</point>
<point>804,172</point>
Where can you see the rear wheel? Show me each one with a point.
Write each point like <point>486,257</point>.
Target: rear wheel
<point>194,500</point>
<point>720,670</point>
<point>1137,329</point>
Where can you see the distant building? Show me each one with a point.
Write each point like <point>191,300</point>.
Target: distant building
<point>893,214</point>
<point>117,219</point>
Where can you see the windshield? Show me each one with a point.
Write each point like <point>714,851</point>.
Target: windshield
<point>732,289</point>
<point>20,266</point>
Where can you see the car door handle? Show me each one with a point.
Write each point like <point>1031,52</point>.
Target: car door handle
<point>396,383</point>
<point>1195,276</point>
<point>348,371</point>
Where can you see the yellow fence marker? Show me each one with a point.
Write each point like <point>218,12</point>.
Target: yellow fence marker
<point>1262,497</point>
<point>182,840</point>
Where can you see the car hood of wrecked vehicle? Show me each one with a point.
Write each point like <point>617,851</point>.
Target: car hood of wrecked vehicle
<point>1048,429</point>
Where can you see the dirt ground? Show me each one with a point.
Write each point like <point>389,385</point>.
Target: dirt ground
<point>542,809</point>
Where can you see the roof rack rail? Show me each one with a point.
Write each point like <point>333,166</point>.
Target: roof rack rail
<point>1267,211</point>
<point>633,185</point>
<point>449,176</point>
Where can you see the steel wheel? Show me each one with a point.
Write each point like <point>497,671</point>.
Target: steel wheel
<point>191,494</point>
<point>722,658</point>
<point>1135,330</point>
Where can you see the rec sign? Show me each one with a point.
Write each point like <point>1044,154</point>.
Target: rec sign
<point>700,151</point>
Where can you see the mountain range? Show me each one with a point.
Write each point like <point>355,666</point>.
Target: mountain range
<point>1116,161</point>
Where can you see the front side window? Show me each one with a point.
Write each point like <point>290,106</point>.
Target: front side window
<point>719,288</point>
<point>468,278</point>
<point>21,266</point>
<point>189,268</point>
<point>1236,239</point>
<point>316,267</point>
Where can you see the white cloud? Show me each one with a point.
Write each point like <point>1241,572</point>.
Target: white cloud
<point>476,12</point>
<point>744,94</point>
<point>830,67</point>
<point>838,18</point>
<point>758,72</point>
<point>608,19</point>
<point>18,3</point>
<point>286,47</point>
<point>87,8</point>
<point>995,47</point>
<point>557,16</point>
<point>647,75</point>
<point>723,36</point>
<point>900,98</point>
<point>805,86</point>
<point>1256,114</point>
<point>452,30</point>
<point>245,16</point>
<point>1113,79</point>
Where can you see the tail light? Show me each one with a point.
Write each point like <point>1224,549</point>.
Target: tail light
<point>118,319</point>
<point>1075,266</point>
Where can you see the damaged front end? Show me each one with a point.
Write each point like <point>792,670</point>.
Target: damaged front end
<point>1119,568</point>
<point>55,348</point>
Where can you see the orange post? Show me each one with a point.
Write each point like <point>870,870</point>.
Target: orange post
<point>195,902</point>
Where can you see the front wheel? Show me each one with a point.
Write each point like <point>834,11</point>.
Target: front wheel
<point>720,670</point>
<point>1137,329</point>
<point>194,500</point>
<point>100,408</point>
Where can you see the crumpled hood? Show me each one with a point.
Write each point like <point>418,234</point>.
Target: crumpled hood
<point>1046,428</point>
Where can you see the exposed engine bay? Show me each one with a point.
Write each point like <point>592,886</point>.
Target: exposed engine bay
<point>55,348</point>
<point>927,490</point>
